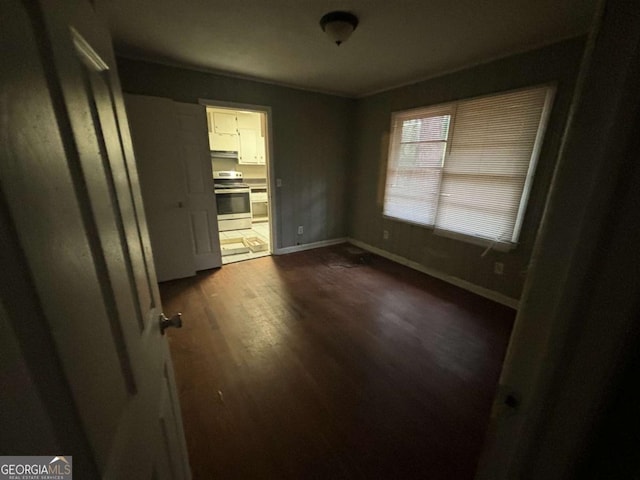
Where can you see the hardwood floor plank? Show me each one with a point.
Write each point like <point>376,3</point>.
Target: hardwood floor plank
<point>311,365</point>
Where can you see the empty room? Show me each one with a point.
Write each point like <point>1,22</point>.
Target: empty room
<point>330,240</point>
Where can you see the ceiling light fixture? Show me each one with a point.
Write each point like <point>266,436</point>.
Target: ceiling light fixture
<point>339,25</point>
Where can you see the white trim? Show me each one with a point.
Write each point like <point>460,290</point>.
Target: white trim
<point>309,246</point>
<point>458,282</point>
<point>495,244</point>
<point>87,53</point>
<point>250,107</point>
<point>533,162</point>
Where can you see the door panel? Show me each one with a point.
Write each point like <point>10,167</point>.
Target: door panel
<point>163,180</point>
<point>83,234</point>
<point>195,175</point>
<point>192,132</point>
<point>120,240</point>
<point>201,227</point>
<point>117,171</point>
<point>168,427</point>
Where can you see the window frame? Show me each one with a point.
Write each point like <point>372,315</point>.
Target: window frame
<point>407,114</point>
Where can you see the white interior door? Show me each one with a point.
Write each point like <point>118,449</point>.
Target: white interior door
<point>196,158</point>
<point>69,184</point>
<point>163,179</point>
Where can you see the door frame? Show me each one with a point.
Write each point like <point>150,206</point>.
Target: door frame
<point>271,177</point>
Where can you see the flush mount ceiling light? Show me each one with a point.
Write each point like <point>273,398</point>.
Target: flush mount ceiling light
<point>339,25</point>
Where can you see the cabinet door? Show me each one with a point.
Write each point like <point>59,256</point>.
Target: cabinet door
<point>248,120</point>
<point>223,131</point>
<point>251,138</point>
<point>225,123</point>
<point>223,142</point>
<point>260,150</point>
<point>248,147</point>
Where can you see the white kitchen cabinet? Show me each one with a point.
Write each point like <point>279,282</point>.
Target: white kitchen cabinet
<point>224,123</point>
<point>259,204</point>
<point>237,131</point>
<point>224,142</point>
<point>249,120</point>
<point>248,152</point>
<point>261,150</point>
<point>252,142</point>
<point>223,131</point>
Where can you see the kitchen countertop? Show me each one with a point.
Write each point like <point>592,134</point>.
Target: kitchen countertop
<point>256,182</point>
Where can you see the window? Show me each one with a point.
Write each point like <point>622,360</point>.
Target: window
<point>465,168</point>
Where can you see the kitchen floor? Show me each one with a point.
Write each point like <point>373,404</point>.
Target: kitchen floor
<point>260,230</point>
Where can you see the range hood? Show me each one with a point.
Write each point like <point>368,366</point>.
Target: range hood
<point>233,154</point>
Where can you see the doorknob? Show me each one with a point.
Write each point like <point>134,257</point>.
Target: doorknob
<point>174,321</point>
<point>507,402</point>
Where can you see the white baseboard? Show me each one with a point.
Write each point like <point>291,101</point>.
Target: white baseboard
<point>458,282</point>
<point>309,246</point>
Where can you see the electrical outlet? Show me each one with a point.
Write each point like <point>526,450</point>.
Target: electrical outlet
<point>278,182</point>
<point>498,268</point>
<point>385,234</point>
<point>300,230</point>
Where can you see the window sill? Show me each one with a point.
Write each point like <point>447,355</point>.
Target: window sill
<point>482,242</point>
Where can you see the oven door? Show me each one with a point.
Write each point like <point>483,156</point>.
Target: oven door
<point>233,203</point>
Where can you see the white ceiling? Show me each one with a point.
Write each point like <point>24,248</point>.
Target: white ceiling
<point>397,41</point>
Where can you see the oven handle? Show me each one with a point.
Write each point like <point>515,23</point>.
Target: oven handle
<point>232,190</point>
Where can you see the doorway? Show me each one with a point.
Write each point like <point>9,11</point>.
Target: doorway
<point>239,141</point>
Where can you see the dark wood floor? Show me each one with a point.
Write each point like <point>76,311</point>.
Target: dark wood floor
<point>314,366</point>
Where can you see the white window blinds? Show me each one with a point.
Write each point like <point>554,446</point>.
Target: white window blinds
<point>419,141</point>
<point>467,167</point>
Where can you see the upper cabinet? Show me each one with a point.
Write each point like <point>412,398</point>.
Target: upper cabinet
<point>261,148</point>
<point>252,145</point>
<point>223,131</point>
<point>244,132</point>
<point>248,153</point>
<point>224,123</point>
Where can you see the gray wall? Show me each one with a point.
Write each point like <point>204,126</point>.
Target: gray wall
<point>311,141</point>
<point>321,140</point>
<point>557,63</point>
